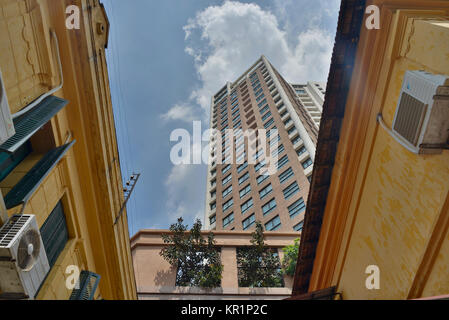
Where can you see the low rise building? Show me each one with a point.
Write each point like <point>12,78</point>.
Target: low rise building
<point>156,278</point>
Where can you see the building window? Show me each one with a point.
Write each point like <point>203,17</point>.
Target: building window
<point>54,234</point>
<point>291,190</point>
<point>266,116</point>
<point>264,109</point>
<point>269,206</point>
<point>260,97</point>
<point>228,204</point>
<point>273,224</point>
<point>228,219</point>
<point>265,191</point>
<point>301,151</point>
<point>227,191</point>
<point>262,178</point>
<point>241,158</point>
<point>268,123</point>
<point>227,179</point>
<point>307,163</point>
<point>280,149</point>
<point>291,130</point>
<point>259,165</point>
<point>245,191</point>
<point>242,167</point>
<point>284,176</point>
<point>296,140</point>
<point>296,208</point>
<point>244,178</point>
<point>274,140</point>
<point>247,205</point>
<point>248,222</point>
<point>282,162</point>
<point>298,227</point>
<point>213,206</point>
<point>260,104</point>
<point>212,219</point>
<point>226,169</point>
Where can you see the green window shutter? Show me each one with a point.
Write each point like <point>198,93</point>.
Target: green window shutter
<point>27,124</point>
<point>8,161</point>
<point>86,286</point>
<point>54,234</point>
<point>25,188</point>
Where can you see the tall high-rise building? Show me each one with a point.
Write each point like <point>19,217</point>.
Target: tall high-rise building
<point>238,193</point>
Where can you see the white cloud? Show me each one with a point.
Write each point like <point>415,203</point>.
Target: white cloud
<point>230,37</point>
<point>184,112</point>
<point>185,198</point>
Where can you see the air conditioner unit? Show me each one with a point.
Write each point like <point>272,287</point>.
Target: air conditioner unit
<point>23,261</point>
<point>6,123</point>
<point>421,121</point>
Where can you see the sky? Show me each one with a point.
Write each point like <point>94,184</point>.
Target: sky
<point>166,59</point>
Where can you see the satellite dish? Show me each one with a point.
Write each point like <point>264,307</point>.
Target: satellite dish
<point>28,251</point>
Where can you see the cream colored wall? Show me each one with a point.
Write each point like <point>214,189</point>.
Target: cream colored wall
<point>156,278</point>
<point>404,193</point>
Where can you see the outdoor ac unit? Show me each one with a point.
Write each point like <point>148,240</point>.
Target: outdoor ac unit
<point>6,123</point>
<point>23,261</point>
<point>421,121</point>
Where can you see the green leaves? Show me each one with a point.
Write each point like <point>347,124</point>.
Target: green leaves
<point>290,258</point>
<point>197,259</point>
<point>258,265</point>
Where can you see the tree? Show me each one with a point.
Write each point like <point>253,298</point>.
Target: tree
<point>197,260</point>
<point>290,258</point>
<point>259,265</point>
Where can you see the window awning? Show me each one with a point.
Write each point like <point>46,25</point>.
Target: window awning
<point>87,284</point>
<point>25,188</point>
<point>27,124</point>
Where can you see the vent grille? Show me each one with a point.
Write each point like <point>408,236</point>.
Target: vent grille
<point>409,118</point>
<point>10,230</point>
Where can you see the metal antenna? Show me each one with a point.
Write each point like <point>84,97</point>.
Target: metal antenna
<point>131,183</point>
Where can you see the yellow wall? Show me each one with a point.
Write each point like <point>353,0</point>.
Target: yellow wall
<point>88,179</point>
<point>387,206</point>
<point>404,193</point>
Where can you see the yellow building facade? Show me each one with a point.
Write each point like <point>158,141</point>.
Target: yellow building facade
<point>372,201</point>
<point>39,51</point>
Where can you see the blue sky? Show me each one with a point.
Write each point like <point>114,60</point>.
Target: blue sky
<point>167,58</point>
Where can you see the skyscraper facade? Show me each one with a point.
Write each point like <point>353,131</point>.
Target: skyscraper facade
<point>287,116</point>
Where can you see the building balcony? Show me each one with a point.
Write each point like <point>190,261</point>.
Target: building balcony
<point>281,110</point>
<point>289,124</point>
<point>298,145</point>
<point>293,135</point>
<point>308,171</point>
<point>278,103</point>
<point>285,117</point>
